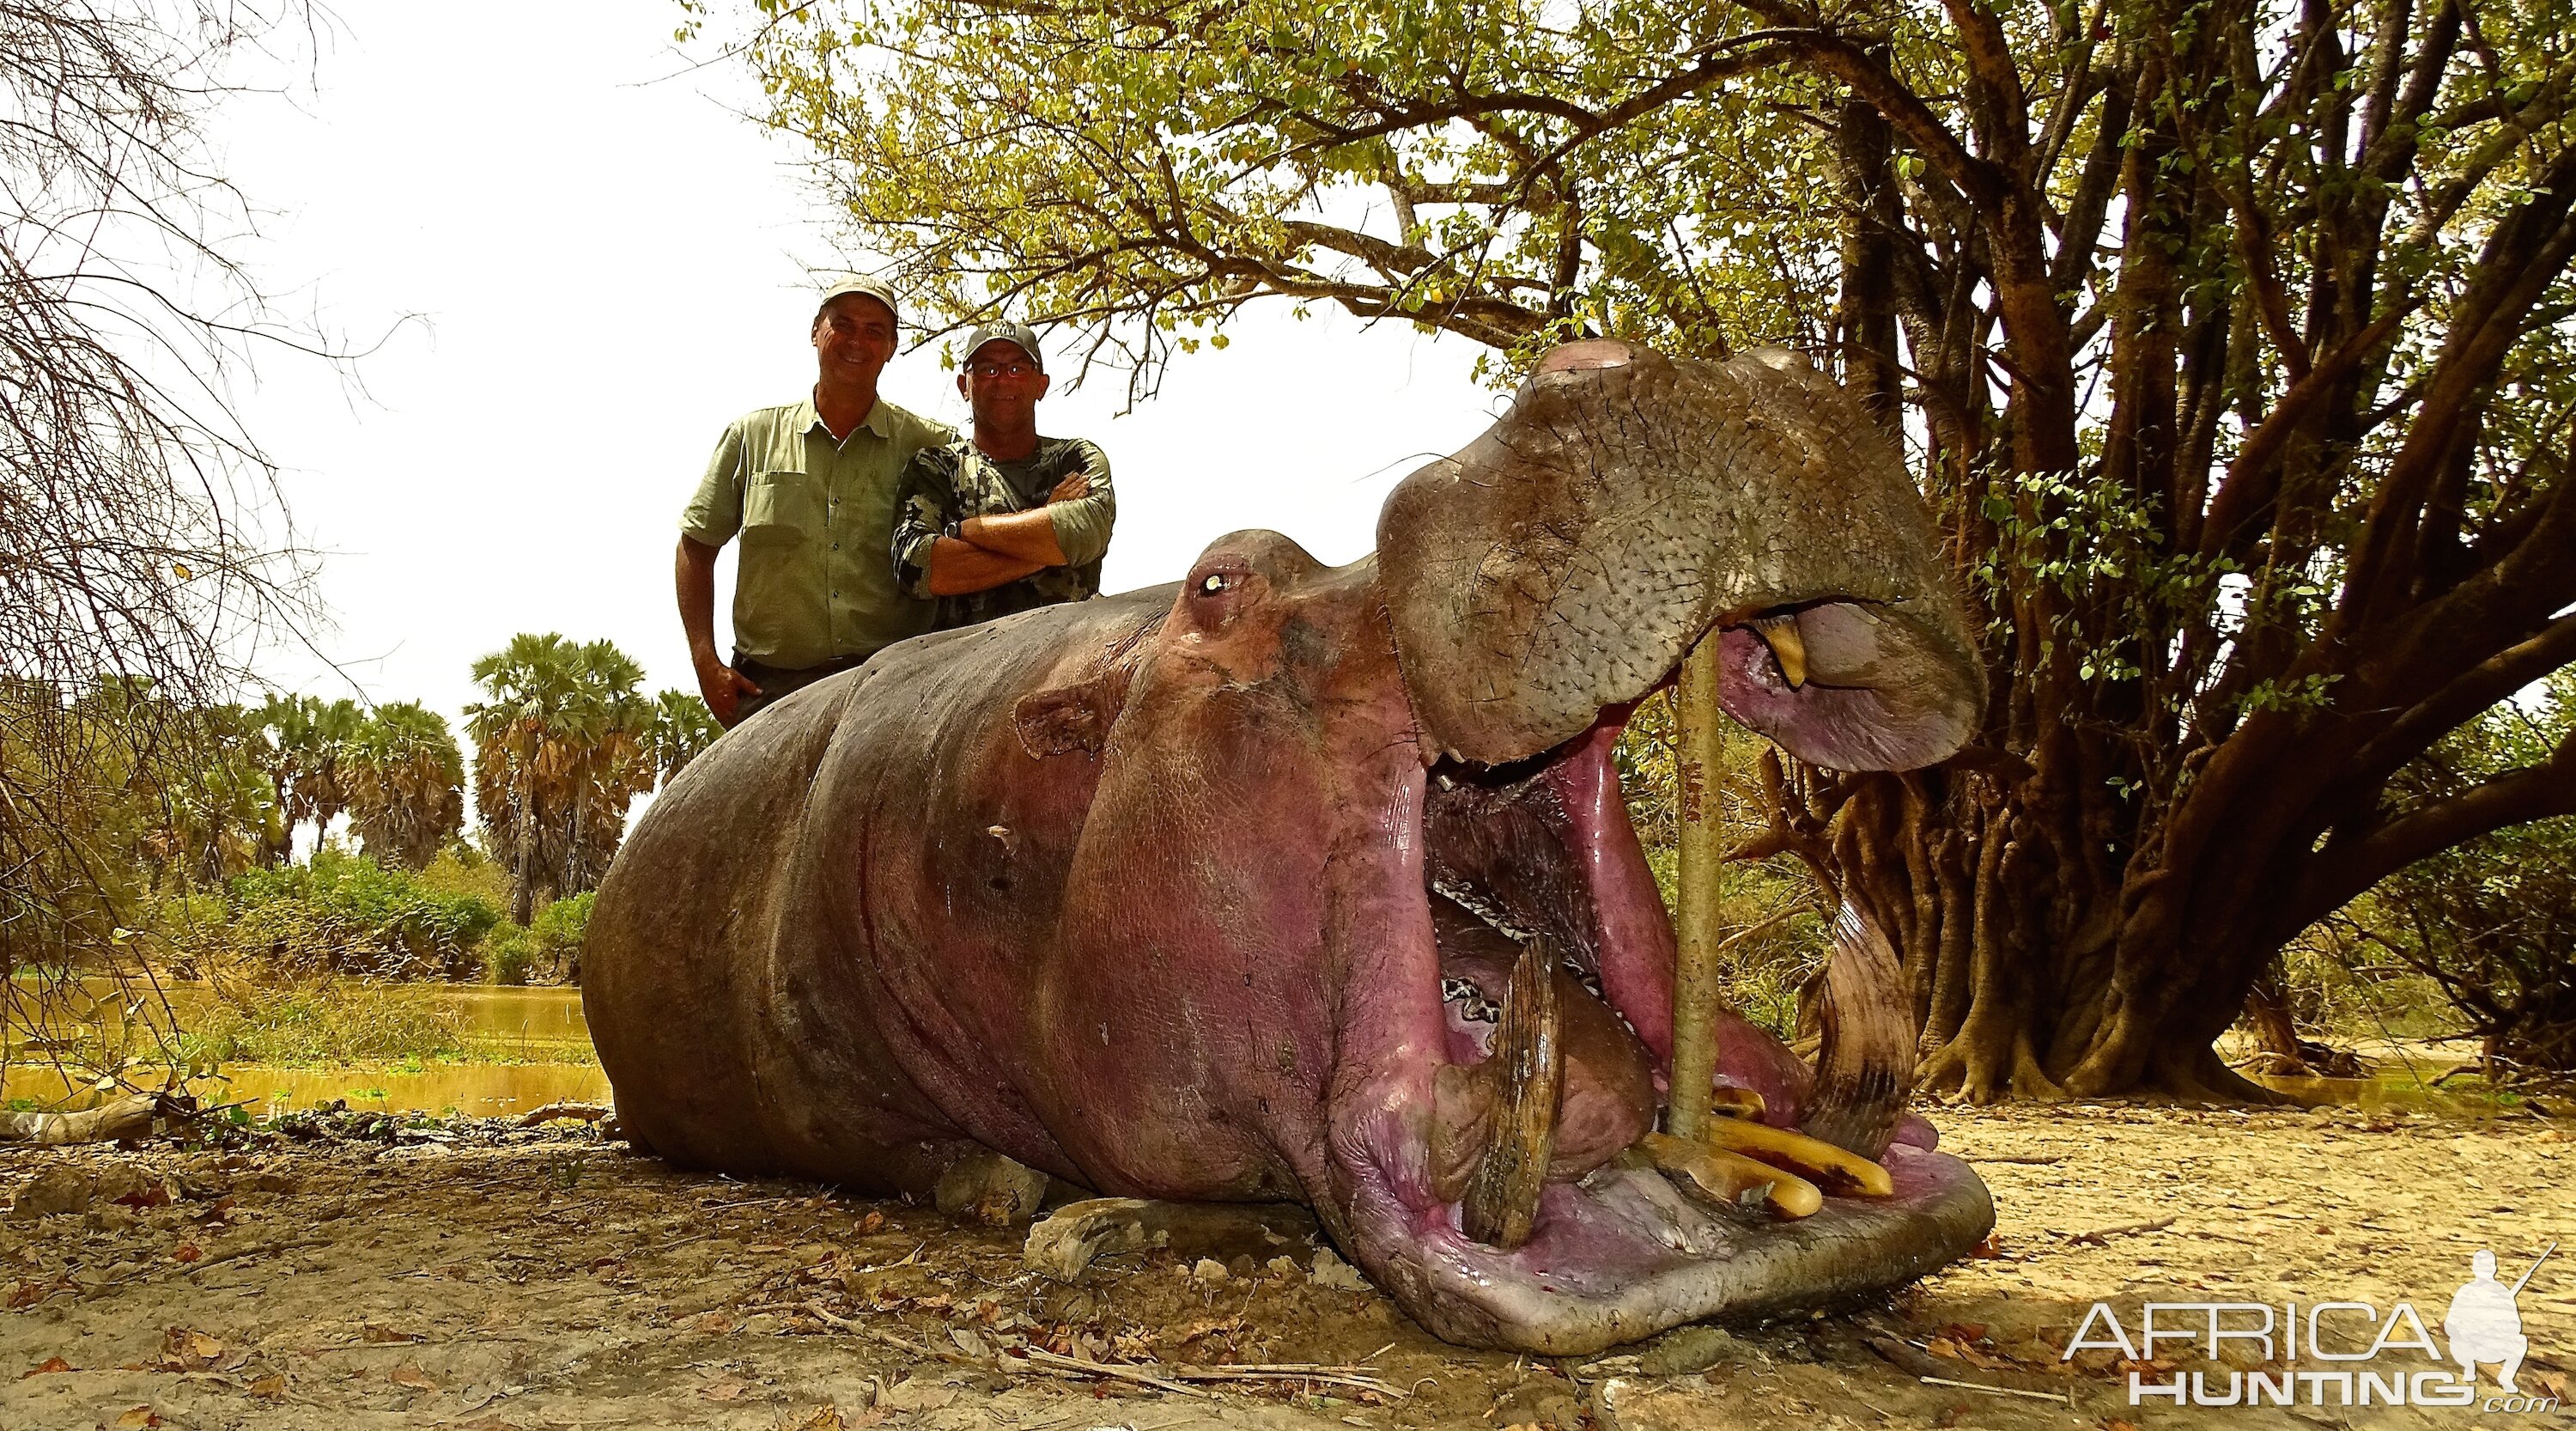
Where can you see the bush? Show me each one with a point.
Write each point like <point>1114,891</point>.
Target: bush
<point>559,930</point>
<point>344,914</point>
<point>463,869</point>
<point>509,952</point>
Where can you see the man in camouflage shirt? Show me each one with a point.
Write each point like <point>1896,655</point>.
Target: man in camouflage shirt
<point>1005,520</point>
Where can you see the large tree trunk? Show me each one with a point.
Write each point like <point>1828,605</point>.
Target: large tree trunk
<point>2006,910</point>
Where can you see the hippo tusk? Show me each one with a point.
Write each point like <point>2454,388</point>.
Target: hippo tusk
<point>1501,1206</point>
<point>1865,1064</point>
<point>1722,1178</point>
<point>1728,1101</point>
<point>1780,633</point>
<point>1814,1160</point>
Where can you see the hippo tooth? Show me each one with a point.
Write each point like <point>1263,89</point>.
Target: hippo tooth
<point>1780,633</point>
<point>1501,1205</point>
<point>1720,1177</point>
<point>1474,902</point>
<point>1810,1158</point>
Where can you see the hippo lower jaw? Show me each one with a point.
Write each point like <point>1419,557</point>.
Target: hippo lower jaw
<point>1613,1251</point>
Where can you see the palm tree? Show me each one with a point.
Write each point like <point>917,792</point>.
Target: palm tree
<point>307,740</point>
<point>559,753</point>
<point>405,784</point>
<point>682,728</point>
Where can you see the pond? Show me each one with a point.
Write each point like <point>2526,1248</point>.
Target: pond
<point>528,1047</point>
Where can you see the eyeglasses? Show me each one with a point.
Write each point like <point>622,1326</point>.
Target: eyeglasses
<point>1003,370</point>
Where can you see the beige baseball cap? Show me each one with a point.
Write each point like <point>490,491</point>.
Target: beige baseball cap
<point>876,288</point>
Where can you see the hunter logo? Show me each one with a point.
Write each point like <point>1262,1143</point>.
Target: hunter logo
<point>2362,1356</point>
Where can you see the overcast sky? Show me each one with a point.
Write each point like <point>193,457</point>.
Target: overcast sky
<point>608,265</point>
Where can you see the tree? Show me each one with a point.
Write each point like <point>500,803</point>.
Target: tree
<point>308,743</point>
<point>682,729</point>
<point>559,755</point>
<point>2492,922</point>
<point>2232,341</point>
<point>405,783</point>
<point>227,819</point>
<point>132,507</point>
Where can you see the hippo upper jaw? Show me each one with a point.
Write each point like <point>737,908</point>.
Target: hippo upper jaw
<point>1544,851</point>
<point>1630,504</point>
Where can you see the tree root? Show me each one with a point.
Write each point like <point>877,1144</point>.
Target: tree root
<point>1970,1069</point>
<point>2201,1076</point>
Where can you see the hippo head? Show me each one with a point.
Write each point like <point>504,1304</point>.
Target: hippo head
<point>1360,914</point>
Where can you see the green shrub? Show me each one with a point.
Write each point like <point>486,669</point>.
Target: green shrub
<point>344,914</point>
<point>462,869</point>
<point>509,952</point>
<point>558,930</point>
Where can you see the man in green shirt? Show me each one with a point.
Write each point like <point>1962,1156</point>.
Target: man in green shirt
<point>810,488</point>
<point>1007,520</point>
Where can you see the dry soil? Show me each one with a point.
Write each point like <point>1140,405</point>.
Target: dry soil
<point>476,1278</point>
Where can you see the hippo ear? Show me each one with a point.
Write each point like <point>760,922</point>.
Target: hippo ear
<point>1068,718</point>
<point>1076,713</point>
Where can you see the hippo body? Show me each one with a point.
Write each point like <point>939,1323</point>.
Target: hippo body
<point>1210,891</point>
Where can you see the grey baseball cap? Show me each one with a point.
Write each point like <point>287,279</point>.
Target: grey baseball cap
<point>1019,335</point>
<point>876,288</point>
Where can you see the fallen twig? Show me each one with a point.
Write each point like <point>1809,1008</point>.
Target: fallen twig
<point>584,1112</point>
<point>2067,1397</point>
<point>1327,1375</point>
<point>2100,1235</point>
<point>211,1259</point>
<point>2034,1161</point>
<point>1113,1372</point>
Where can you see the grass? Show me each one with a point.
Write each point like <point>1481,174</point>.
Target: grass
<point>314,1029</point>
<point>400,1029</point>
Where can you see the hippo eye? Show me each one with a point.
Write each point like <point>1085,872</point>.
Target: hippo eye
<point>1215,583</point>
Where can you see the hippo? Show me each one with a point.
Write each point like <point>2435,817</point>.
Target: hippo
<point>1296,883</point>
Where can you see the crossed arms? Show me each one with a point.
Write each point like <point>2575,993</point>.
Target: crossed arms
<point>990,551</point>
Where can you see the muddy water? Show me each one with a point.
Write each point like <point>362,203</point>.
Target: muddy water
<point>530,1047</point>
<point>476,1090</point>
<point>493,1015</point>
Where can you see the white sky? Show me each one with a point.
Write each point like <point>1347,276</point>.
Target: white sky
<point>607,270</point>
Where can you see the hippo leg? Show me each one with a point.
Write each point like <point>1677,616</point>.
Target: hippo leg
<point>1078,1233</point>
<point>991,1189</point>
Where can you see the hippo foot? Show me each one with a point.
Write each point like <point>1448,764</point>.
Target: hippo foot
<point>988,1188</point>
<point>1067,1242</point>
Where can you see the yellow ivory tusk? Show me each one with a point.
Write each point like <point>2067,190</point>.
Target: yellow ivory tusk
<point>1728,1101</point>
<point>1810,1158</point>
<point>1780,633</point>
<point>1724,1178</point>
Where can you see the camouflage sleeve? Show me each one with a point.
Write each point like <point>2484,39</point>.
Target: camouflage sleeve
<point>714,512</point>
<point>924,508</point>
<point>1082,525</point>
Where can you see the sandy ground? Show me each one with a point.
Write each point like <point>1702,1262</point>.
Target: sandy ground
<point>546,1279</point>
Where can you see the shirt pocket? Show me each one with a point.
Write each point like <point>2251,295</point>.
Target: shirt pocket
<point>782,506</point>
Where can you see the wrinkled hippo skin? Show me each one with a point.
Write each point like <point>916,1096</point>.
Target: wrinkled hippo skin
<point>1141,891</point>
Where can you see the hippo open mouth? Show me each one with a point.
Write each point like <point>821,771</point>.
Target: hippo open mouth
<point>1534,1203</point>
